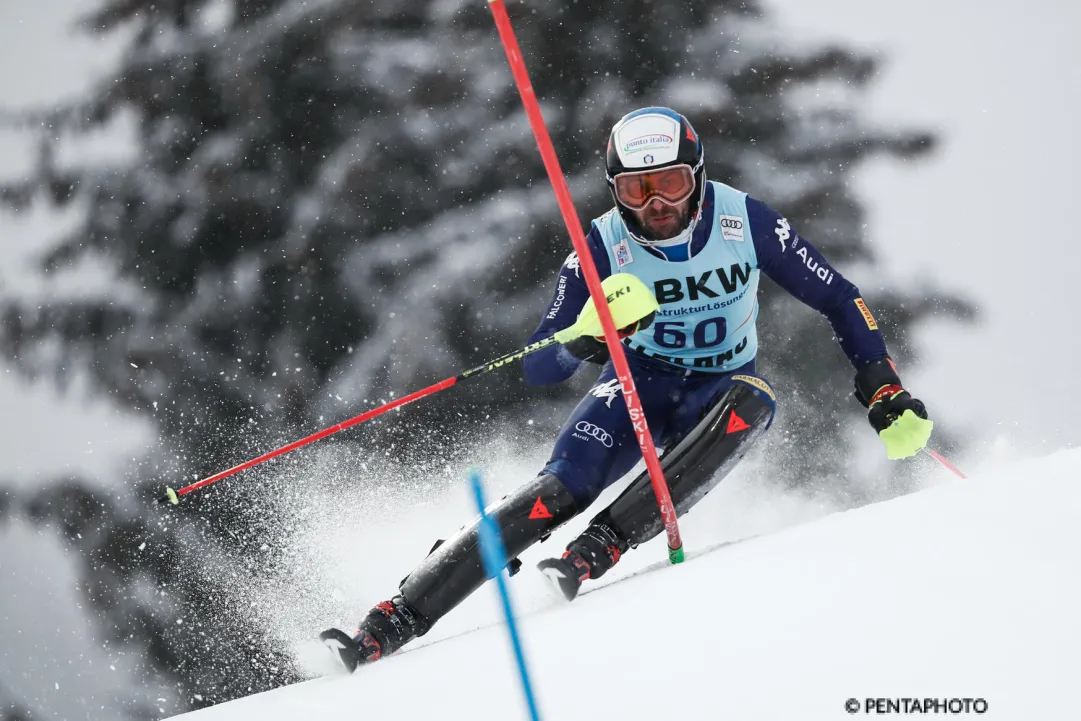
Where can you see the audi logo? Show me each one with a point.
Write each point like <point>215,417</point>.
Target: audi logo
<point>731,223</point>
<point>596,432</point>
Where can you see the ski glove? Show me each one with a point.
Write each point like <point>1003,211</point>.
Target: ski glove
<point>899,419</point>
<point>589,349</point>
<point>594,350</point>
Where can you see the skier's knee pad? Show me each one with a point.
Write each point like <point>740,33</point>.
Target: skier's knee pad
<point>698,462</point>
<point>761,390</point>
<point>454,568</point>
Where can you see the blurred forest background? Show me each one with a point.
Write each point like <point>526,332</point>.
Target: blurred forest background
<point>333,203</point>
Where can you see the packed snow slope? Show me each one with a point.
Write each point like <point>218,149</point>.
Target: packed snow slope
<point>971,589</point>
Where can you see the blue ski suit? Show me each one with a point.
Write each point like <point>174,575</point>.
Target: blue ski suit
<point>702,339</point>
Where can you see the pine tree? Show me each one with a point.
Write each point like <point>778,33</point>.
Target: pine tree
<point>336,201</point>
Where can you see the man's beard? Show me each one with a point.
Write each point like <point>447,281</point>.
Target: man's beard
<point>665,225</point>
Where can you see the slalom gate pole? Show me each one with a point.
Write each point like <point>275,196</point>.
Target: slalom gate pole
<point>585,259</point>
<point>495,561</point>
<point>173,496</point>
<point>941,459</point>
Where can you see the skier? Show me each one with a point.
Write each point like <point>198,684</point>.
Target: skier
<point>700,245</point>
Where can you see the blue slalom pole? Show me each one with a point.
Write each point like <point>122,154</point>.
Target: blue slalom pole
<point>495,560</point>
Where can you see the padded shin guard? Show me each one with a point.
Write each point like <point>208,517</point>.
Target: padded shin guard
<point>454,569</point>
<point>696,465</point>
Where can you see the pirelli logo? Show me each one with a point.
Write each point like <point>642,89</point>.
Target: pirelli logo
<point>757,383</point>
<point>867,317</point>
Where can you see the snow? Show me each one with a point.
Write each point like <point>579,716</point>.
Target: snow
<point>965,590</point>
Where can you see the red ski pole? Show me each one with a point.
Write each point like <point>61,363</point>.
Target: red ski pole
<point>173,496</point>
<point>942,459</point>
<point>593,281</point>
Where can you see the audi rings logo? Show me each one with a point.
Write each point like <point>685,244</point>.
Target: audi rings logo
<point>591,430</point>
<point>735,223</point>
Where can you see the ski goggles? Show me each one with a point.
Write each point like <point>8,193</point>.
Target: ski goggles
<point>671,185</point>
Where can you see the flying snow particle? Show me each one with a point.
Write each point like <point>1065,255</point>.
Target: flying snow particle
<point>142,546</point>
<point>134,366</point>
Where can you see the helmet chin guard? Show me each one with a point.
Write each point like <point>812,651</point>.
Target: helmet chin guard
<point>655,138</point>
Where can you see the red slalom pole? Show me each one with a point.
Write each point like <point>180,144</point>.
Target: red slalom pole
<point>593,281</point>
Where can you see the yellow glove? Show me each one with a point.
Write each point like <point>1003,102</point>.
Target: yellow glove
<point>899,419</point>
<point>901,422</point>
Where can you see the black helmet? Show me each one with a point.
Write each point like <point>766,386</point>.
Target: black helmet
<point>652,139</point>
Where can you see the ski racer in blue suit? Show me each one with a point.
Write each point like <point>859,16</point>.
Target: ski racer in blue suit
<point>701,246</point>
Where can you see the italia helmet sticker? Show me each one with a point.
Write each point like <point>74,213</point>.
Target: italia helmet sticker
<point>647,140</point>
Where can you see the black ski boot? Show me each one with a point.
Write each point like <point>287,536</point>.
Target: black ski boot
<point>565,574</point>
<point>588,556</point>
<point>385,629</point>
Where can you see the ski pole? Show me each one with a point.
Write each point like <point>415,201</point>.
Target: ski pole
<point>941,459</point>
<point>626,297</point>
<point>173,496</point>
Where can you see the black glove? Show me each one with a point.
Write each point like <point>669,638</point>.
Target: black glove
<point>878,388</point>
<point>594,350</point>
<point>892,405</point>
<point>589,349</point>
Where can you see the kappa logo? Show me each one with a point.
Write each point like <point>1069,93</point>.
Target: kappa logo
<point>594,432</point>
<point>573,263</point>
<point>609,390</point>
<point>783,231</point>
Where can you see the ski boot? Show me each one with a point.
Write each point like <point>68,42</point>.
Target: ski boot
<point>588,556</point>
<point>386,628</point>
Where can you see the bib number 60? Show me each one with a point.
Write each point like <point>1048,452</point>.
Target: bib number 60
<point>673,333</point>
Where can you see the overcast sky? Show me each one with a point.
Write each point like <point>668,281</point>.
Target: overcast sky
<point>989,216</point>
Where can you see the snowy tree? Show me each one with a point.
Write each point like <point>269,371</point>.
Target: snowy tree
<point>334,202</point>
